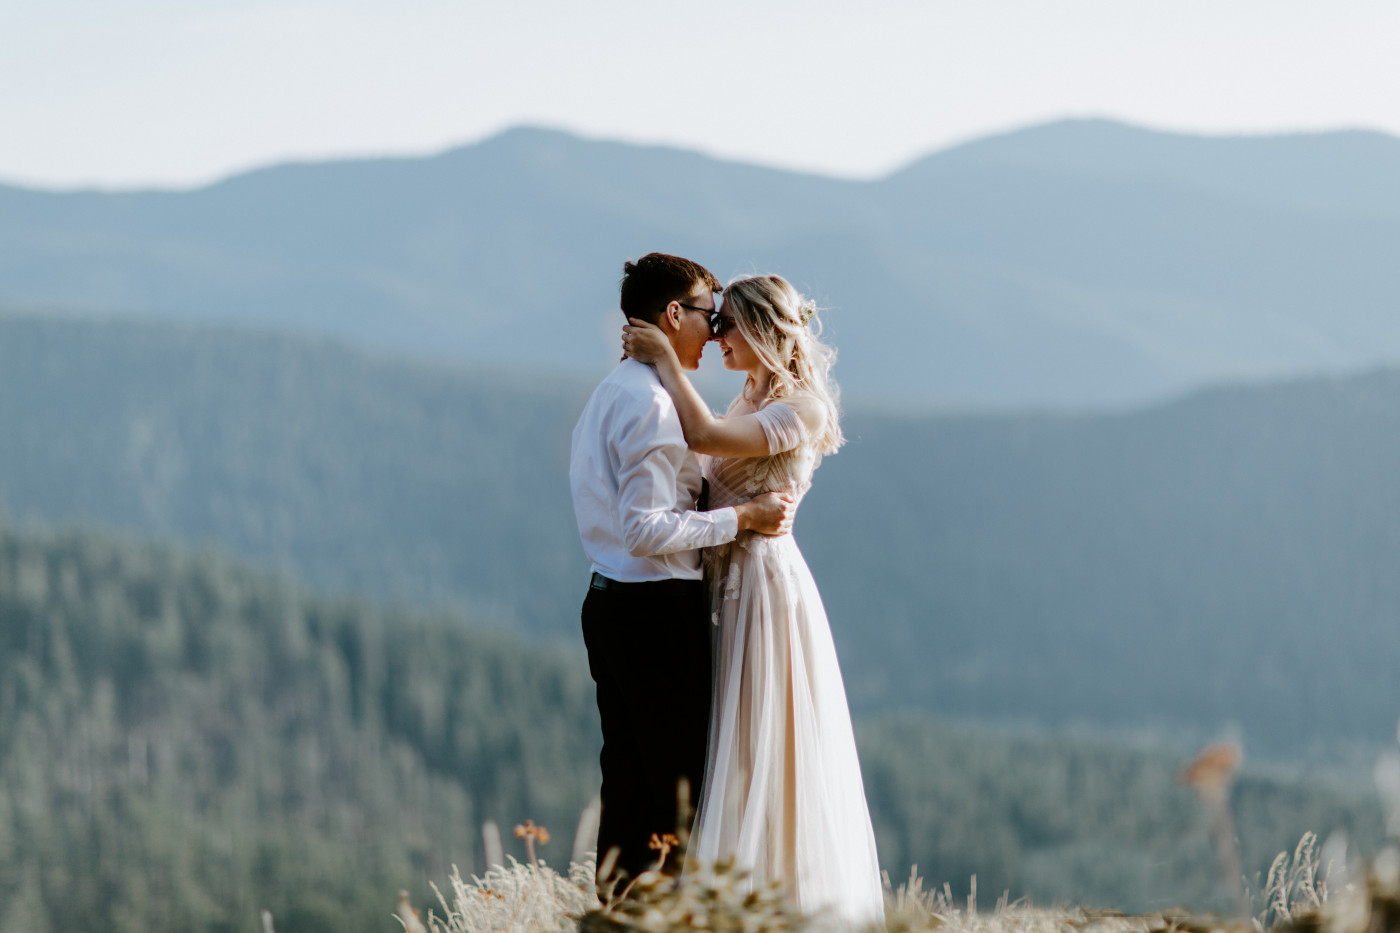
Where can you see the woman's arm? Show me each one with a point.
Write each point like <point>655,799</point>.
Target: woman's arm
<point>705,433</point>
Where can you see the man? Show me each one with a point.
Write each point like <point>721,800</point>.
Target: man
<point>646,616</point>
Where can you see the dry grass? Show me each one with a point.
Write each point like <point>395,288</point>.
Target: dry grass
<point>909,908</point>
<point>525,898</point>
<point>1365,898</point>
<point>515,898</point>
<point>1310,891</point>
<point>533,898</point>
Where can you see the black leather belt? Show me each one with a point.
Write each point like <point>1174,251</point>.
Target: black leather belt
<point>600,582</point>
<point>608,585</point>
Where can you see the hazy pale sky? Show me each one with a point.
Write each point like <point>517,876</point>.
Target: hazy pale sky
<point>177,92</point>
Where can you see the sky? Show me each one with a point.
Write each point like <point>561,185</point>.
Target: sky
<point>176,93</point>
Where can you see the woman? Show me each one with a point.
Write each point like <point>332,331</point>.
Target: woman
<point>783,794</point>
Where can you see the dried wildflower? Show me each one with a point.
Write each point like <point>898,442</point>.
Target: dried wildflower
<point>1211,774</point>
<point>531,834</point>
<point>1214,767</point>
<point>663,844</point>
<point>528,830</point>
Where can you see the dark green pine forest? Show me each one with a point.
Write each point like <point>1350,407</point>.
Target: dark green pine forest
<point>185,740</point>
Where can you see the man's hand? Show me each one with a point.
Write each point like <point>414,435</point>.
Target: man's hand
<point>769,514</point>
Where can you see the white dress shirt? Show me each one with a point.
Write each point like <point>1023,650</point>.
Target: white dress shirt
<point>635,483</point>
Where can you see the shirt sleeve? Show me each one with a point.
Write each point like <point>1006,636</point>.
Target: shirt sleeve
<point>782,426</point>
<point>650,450</point>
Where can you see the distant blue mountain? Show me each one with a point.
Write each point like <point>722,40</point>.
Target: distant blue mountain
<point>1351,172</point>
<point>1082,263</point>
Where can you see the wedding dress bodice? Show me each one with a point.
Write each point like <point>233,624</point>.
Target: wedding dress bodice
<point>788,467</point>
<point>791,460</point>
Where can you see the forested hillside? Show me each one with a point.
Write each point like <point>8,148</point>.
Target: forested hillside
<point>422,483</point>
<point>184,741</point>
<point>1227,558</point>
<point>1064,819</point>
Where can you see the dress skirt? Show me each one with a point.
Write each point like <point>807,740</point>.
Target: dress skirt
<point>783,795</point>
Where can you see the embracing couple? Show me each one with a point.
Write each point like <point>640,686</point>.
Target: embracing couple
<point>706,634</point>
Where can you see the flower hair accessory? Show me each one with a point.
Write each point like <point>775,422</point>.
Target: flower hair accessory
<point>807,311</point>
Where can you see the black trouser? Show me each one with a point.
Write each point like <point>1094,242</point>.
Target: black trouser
<point>649,653</point>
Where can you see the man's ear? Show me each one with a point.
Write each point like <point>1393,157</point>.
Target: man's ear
<point>670,317</point>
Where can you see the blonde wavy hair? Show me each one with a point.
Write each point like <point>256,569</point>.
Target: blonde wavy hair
<point>782,328</point>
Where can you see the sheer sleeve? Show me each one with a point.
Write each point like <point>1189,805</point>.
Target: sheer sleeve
<point>782,427</point>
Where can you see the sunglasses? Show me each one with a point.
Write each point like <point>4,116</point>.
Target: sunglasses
<point>719,325</point>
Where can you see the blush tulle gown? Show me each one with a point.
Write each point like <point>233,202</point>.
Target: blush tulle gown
<point>783,794</point>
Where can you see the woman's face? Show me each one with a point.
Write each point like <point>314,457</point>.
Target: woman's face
<point>738,354</point>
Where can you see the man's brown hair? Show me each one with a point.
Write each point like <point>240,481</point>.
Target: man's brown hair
<point>656,280</point>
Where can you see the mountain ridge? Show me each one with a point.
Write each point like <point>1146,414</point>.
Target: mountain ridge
<point>1252,163</point>
<point>974,280</point>
<point>992,146</point>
